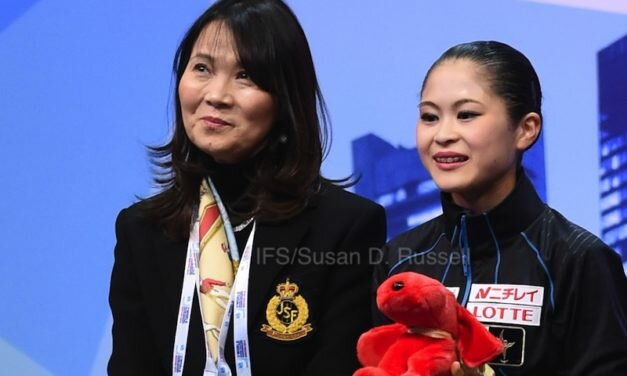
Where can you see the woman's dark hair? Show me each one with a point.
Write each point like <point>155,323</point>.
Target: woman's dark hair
<point>273,49</point>
<point>509,73</point>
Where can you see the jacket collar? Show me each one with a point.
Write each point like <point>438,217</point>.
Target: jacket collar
<point>512,216</point>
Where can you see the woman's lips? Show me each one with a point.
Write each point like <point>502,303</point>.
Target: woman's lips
<point>214,122</point>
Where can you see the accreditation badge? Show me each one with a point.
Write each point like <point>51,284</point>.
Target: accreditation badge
<point>287,314</point>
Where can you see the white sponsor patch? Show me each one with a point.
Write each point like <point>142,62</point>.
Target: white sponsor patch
<point>512,294</point>
<point>506,313</point>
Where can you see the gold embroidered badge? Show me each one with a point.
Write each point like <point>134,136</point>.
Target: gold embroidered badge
<point>287,314</point>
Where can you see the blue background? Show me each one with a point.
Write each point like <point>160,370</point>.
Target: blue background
<point>85,84</point>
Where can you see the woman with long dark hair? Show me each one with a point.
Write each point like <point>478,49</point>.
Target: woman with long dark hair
<point>248,261</point>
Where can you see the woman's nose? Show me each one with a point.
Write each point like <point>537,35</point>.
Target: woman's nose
<point>218,93</point>
<point>446,132</point>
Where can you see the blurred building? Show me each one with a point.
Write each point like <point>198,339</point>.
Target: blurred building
<point>612,70</point>
<point>395,178</point>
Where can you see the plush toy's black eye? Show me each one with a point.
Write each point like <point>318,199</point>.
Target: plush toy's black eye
<point>398,285</point>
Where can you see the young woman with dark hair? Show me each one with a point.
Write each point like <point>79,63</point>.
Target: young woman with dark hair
<point>248,261</point>
<point>555,294</point>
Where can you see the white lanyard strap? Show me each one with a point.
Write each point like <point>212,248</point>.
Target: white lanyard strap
<point>187,298</point>
<point>238,298</point>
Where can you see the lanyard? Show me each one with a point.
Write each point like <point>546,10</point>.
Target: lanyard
<point>238,300</point>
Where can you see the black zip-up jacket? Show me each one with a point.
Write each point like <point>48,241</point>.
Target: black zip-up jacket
<point>553,292</point>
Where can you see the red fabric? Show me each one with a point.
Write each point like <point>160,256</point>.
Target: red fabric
<point>207,219</point>
<point>415,301</point>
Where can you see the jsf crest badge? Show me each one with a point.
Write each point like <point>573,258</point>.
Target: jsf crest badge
<point>287,314</point>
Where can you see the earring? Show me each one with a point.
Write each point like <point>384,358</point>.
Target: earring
<point>283,139</point>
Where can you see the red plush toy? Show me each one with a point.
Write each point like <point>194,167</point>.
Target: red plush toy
<point>430,325</point>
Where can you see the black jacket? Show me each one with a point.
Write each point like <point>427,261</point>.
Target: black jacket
<point>579,325</point>
<point>323,250</point>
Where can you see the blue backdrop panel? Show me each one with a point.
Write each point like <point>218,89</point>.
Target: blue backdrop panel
<point>13,9</point>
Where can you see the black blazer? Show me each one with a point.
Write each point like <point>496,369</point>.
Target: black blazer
<point>328,251</point>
